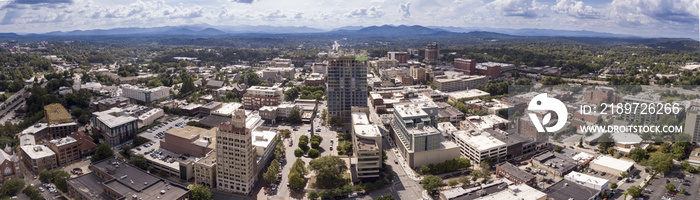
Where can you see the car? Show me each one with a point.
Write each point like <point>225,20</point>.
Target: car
<point>295,129</point>
<point>41,189</point>
<point>352,195</point>
<point>34,177</point>
<point>290,143</point>
<point>331,141</point>
<point>667,181</point>
<point>396,162</point>
<point>331,147</point>
<point>602,174</point>
<point>138,148</point>
<point>306,155</point>
<point>318,130</point>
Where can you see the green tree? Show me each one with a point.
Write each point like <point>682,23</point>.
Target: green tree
<point>296,180</point>
<point>140,161</point>
<point>670,187</point>
<point>464,180</point>
<point>623,174</point>
<point>580,142</point>
<point>431,183</point>
<point>103,151</point>
<point>452,182</point>
<point>329,171</point>
<point>294,116</point>
<point>634,191</point>
<point>314,153</point>
<point>59,179</point>
<point>613,186</point>
<point>298,153</point>
<point>32,193</point>
<point>557,149</point>
<point>45,176</point>
<point>12,186</point>
<point>386,197</point>
<point>270,175</point>
<point>605,141</point>
<point>638,154</point>
<point>286,133</point>
<point>312,195</point>
<point>200,192</point>
<point>315,145</point>
<point>661,162</point>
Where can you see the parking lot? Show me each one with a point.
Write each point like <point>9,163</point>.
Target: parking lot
<point>689,182</point>
<point>156,133</point>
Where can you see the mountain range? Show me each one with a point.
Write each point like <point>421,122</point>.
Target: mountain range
<point>205,30</point>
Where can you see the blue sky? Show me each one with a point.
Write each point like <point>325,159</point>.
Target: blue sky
<point>651,18</point>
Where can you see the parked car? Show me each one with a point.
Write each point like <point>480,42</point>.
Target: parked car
<point>352,195</point>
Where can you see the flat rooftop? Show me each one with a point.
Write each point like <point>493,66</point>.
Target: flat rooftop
<point>192,132</point>
<point>89,185</point>
<point>613,163</point>
<point>37,151</point>
<point>521,191</point>
<point>367,131</point>
<point>359,118</point>
<point>472,93</point>
<point>56,113</point>
<point>460,193</point>
<point>129,181</point>
<point>482,142</point>
<point>262,138</point>
<point>114,117</point>
<point>412,110</point>
<point>63,141</point>
<point>566,189</point>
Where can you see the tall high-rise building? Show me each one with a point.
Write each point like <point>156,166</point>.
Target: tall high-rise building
<point>692,123</point>
<point>235,156</point>
<point>466,66</point>
<point>347,86</point>
<point>432,51</point>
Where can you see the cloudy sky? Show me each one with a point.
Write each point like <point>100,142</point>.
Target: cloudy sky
<point>665,18</point>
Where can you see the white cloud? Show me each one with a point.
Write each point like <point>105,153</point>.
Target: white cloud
<point>521,8</point>
<point>371,12</point>
<point>271,16</point>
<point>576,9</point>
<point>645,11</point>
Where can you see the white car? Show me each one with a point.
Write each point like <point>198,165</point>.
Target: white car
<point>352,195</point>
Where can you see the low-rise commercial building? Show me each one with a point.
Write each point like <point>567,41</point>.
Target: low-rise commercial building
<point>38,157</point>
<point>205,170</point>
<point>566,189</point>
<point>190,140</point>
<point>611,165</point>
<point>479,145</point>
<point>466,94</point>
<point>555,163</point>
<point>588,181</point>
<point>114,179</point>
<point>513,173</point>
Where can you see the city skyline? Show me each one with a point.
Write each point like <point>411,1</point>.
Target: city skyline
<point>646,18</point>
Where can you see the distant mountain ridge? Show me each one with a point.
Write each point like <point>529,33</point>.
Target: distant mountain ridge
<point>206,30</point>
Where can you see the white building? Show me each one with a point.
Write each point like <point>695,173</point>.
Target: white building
<point>145,95</point>
<point>587,180</point>
<point>520,192</point>
<point>263,142</point>
<point>611,165</point>
<point>367,142</point>
<point>472,93</point>
<point>477,145</point>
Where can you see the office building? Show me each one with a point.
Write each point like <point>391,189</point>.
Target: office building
<point>367,142</point>
<point>113,179</point>
<point>416,136</point>
<point>456,82</point>
<point>639,116</point>
<point>692,123</point>
<point>145,95</point>
<point>259,96</point>
<point>190,140</point>
<point>66,149</point>
<point>418,73</point>
<point>432,52</point>
<point>320,68</point>
<point>346,86</point>
<point>205,170</point>
<point>401,57</point>
<point>235,162</point>
<point>588,181</point>
<point>38,157</point>
<point>466,66</point>
<point>116,127</point>
<point>477,145</point>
